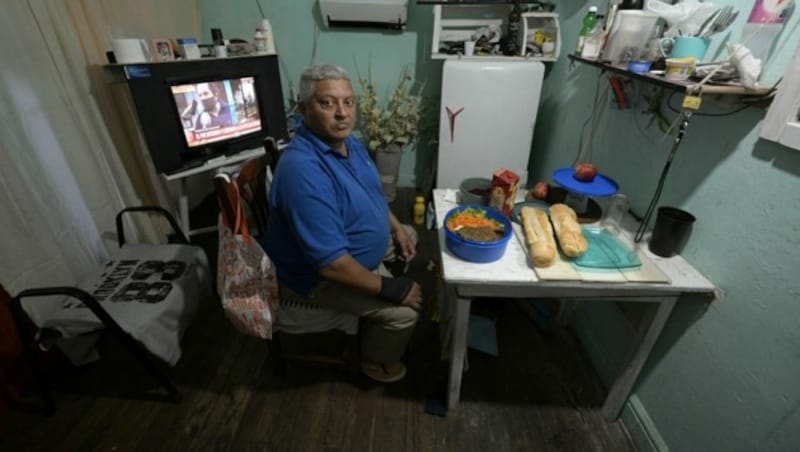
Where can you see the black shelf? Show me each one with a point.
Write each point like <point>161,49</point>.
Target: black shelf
<point>676,85</point>
<point>654,79</point>
<point>480,2</point>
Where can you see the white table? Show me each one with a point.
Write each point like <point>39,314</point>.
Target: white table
<point>183,197</point>
<point>513,277</point>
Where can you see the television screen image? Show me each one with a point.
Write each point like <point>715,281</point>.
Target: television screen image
<point>217,110</point>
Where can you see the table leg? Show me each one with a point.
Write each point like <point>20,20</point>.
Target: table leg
<point>647,333</point>
<point>183,207</point>
<point>461,324</point>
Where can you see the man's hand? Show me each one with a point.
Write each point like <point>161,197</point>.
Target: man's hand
<point>405,245</point>
<point>414,298</point>
<point>401,291</point>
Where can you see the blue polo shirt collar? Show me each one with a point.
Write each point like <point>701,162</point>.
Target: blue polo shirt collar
<point>319,145</point>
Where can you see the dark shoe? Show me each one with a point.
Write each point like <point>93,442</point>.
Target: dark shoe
<point>385,373</point>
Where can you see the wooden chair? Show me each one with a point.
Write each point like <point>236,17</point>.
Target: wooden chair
<point>293,319</point>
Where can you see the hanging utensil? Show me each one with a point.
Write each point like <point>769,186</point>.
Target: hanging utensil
<point>722,21</point>
<point>664,171</point>
<point>707,23</point>
<point>723,26</point>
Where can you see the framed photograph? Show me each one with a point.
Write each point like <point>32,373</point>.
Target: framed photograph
<point>161,50</point>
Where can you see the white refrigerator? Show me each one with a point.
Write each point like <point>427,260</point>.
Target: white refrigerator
<point>488,112</point>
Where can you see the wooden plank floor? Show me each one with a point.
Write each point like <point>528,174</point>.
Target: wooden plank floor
<point>539,394</point>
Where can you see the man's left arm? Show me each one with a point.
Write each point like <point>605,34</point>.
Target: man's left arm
<point>404,242</point>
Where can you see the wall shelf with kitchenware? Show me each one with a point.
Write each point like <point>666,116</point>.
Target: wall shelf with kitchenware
<point>691,104</point>
<point>689,86</point>
<point>479,2</point>
<point>476,30</point>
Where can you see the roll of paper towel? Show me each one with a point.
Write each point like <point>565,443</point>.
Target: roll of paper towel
<point>131,50</point>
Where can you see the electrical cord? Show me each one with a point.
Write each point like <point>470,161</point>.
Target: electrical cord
<point>592,118</point>
<point>260,9</point>
<point>684,122</point>
<point>748,105</point>
<point>589,118</point>
<point>675,110</point>
<point>660,186</point>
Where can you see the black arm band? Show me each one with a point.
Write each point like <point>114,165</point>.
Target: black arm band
<point>395,289</point>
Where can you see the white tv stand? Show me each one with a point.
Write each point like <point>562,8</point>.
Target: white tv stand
<point>212,164</point>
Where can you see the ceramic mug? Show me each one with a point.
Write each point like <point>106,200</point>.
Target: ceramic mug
<point>685,46</point>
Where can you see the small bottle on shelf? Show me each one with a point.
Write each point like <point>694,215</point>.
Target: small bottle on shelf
<point>266,30</point>
<point>593,43</point>
<point>589,24</point>
<point>419,210</point>
<point>260,41</point>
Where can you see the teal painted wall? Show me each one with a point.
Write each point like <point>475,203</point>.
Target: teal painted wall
<point>302,39</point>
<point>722,377</point>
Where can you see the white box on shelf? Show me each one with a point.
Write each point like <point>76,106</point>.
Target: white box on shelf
<point>188,48</point>
<point>453,24</point>
<point>457,23</point>
<point>539,28</point>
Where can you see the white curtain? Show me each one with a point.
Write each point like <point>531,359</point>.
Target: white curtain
<point>61,177</point>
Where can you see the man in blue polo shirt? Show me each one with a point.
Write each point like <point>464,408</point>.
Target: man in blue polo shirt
<point>330,226</point>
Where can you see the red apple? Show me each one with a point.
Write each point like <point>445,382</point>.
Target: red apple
<point>585,172</point>
<point>540,191</point>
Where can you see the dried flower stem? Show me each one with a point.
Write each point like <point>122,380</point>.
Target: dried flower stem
<point>398,122</point>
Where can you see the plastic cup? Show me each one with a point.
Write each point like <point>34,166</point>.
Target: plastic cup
<point>671,232</point>
<point>615,212</point>
<point>469,48</point>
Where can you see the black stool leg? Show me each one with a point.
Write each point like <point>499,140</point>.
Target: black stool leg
<point>133,347</point>
<point>29,346</point>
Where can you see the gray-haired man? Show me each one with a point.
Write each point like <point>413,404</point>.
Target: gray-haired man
<point>330,226</point>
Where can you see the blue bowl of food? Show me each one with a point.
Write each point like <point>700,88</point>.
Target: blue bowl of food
<point>477,233</point>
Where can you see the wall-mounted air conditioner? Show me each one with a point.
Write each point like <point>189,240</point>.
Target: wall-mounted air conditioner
<point>365,13</point>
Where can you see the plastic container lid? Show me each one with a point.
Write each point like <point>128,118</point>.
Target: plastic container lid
<point>601,186</point>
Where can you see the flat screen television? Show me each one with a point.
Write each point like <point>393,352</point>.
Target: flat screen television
<point>192,111</point>
<point>217,110</point>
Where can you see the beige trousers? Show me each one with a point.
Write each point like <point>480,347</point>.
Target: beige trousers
<point>385,328</point>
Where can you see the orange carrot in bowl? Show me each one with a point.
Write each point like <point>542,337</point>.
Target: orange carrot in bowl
<point>474,218</point>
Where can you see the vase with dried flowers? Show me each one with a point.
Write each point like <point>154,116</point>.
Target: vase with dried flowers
<point>388,128</point>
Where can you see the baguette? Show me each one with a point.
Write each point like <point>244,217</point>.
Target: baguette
<point>568,231</point>
<point>539,236</point>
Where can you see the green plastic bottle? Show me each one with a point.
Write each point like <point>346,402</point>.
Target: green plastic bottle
<point>589,23</point>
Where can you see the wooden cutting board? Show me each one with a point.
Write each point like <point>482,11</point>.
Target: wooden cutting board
<point>565,270</point>
<point>561,270</point>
